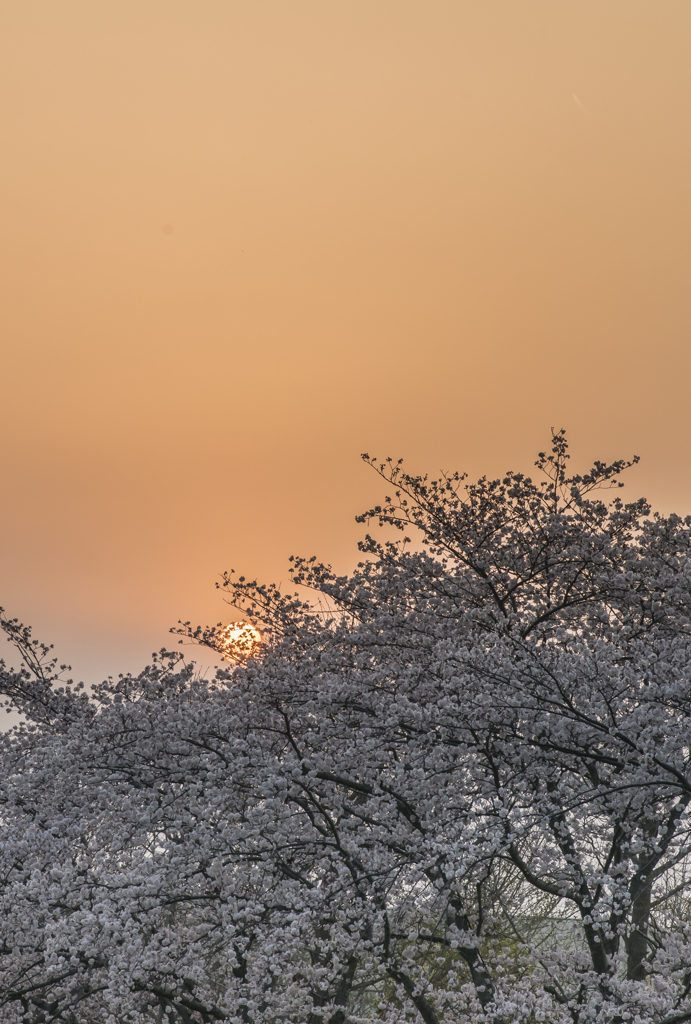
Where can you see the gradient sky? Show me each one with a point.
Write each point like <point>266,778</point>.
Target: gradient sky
<point>243,242</point>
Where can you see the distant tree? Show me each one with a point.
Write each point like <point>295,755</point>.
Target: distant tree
<point>454,786</point>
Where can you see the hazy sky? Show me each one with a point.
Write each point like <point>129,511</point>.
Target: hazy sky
<point>243,242</point>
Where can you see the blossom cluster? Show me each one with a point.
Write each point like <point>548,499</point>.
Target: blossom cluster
<point>454,788</point>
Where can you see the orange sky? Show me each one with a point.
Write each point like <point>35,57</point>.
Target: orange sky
<point>431,229</point>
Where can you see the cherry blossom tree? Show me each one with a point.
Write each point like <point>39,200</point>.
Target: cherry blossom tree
<point>453,785</point>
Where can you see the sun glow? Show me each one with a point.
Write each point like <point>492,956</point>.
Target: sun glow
<point>240,641</point>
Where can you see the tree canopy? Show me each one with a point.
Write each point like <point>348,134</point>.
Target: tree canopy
<point>450,786</point>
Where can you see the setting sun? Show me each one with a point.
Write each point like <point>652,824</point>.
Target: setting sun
<point>240,641</point>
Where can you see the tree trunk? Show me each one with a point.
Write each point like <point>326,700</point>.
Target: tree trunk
<point>637,945</point>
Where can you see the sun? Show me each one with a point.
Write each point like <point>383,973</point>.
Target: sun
<point>239,641</point>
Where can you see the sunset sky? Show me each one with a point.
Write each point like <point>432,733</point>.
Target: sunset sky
<point>243,242</point>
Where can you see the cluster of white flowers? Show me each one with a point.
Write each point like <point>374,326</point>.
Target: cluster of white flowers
<point>455,788</point>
